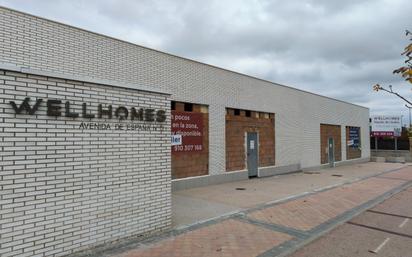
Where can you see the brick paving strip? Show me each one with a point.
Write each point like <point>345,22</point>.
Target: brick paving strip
<point>275,229</point>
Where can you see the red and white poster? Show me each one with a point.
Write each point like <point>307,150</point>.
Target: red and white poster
<point>190,126</point>
<point>386,126</point>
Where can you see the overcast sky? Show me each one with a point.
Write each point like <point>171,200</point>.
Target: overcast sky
<point>337,48</point>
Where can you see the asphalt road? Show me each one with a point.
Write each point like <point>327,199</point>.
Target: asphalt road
<point>385,230</point>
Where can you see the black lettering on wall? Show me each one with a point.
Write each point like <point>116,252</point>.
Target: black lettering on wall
<point>149,115</point>
<point>136,114</point>
<point>101,111</point>
<point>160,116</point>
<point>53,108</point>
<point>68,113</point>
<point>26,106</point>
<point>84,112</point>
<point>121,113</point>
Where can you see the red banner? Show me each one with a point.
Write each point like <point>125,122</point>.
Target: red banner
<point>382,133</point>
<point>190,126</point>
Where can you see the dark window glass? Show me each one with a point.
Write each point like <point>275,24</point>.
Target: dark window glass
<point>188,107</point>
<point>237,112</point>
<point>248,113</point>
<point>173,105</point>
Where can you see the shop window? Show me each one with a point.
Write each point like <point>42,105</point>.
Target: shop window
<point>248,113</point>
<point>237,112</point>
<point>173,107</point>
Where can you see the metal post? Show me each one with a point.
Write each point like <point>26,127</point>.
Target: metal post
<point>396,143</point>
<point>376,143</point>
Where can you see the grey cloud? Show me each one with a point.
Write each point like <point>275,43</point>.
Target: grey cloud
<point>335,48</point>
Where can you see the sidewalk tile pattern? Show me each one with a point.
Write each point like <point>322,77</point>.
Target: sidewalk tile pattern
<point>235,238</point>
<point>397,204</point>
<point>229,238</point>
<point>405,174</point>
<point>308,212</point>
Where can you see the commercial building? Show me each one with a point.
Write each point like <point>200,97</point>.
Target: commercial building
<point>86,122</point>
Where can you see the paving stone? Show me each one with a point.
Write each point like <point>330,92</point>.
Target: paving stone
<point>265,229</point>
<point>227,238</point>
<point>308,212</point>
<point>405,174</point>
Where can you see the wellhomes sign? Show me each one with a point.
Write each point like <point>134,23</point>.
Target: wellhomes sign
<point>55,109</point>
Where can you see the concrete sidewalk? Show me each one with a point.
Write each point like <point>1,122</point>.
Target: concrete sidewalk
<point>198,204</point>
<point>267,226</point>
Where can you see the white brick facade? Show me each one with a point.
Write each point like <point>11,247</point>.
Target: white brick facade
<point>37,162</point>
<point>45,45</point>
<point>63,188</point>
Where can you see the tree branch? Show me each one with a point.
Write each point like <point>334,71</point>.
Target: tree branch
<point>390,91</point>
